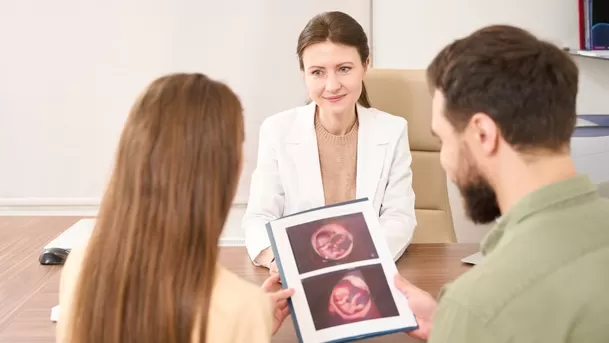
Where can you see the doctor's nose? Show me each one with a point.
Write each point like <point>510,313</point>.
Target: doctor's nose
<point>332,84</point>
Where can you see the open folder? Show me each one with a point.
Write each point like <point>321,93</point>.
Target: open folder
<point>339,263</point>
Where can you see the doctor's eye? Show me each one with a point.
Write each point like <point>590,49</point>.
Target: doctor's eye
<point>344,69</point>
<point>316,72</point>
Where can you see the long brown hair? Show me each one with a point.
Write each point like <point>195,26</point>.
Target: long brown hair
<point>339,28</point>
<point>149,269</point>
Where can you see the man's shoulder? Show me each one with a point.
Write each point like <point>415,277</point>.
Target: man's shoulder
<point>498,281</point>
<point>478,291</point>
<point>522,279</point>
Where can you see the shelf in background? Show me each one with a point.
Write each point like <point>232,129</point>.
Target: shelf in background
<point>592,125</point>
<point>597,54</point>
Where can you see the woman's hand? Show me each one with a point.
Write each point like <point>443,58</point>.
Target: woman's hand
<point>279,300</point>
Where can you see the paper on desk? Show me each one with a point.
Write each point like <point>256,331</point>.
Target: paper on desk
<point>74,235</point>
<point>55,314</point>
<point>581,122</point>
<point>473,259</point>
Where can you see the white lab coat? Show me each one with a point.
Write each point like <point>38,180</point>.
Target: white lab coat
<point>287,177</point>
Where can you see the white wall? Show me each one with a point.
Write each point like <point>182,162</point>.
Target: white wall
<point>70,71</point>
<point>408,37</point>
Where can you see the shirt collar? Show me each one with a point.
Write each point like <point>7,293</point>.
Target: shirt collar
<point>535,202</point>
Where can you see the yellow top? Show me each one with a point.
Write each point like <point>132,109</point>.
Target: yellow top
<point>240,311</point>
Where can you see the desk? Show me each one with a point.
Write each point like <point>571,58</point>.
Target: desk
<point>28,290</point>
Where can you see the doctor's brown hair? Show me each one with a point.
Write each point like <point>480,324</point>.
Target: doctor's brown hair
<point>150,263</point>
<point>338,28</point>
<point>526,85</point>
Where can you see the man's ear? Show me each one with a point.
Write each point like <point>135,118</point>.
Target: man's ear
<point>485,132</point>
<point>367,63</point>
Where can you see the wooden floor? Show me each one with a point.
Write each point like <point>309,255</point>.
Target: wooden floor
<point>22,277</point>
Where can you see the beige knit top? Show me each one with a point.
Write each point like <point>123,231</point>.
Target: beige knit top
<point>338,162</point>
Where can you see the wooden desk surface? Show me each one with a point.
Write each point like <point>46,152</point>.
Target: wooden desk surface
<point>29,290</point>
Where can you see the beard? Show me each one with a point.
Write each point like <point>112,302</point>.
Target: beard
<point>480,199</point>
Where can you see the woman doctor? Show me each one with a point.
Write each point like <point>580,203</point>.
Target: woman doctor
<point>337,148</point>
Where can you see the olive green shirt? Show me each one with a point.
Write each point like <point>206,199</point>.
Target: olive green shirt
<point>544,276</point>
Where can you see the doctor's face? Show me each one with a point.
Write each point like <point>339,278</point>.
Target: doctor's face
<point>333,75</point>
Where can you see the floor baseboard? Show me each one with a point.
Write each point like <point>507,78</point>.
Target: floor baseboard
<point>232,241</point>
<point>72,207</point>
<point>85,207</point>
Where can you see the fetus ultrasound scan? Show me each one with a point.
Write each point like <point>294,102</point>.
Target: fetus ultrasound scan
<point>330,242</point>
<point>348,296</point>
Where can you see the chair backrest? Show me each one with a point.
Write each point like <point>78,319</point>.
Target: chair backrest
<point>405,93</point>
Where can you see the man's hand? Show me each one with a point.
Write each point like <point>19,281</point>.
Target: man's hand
<point>421,303</point>
<point>279,300</point>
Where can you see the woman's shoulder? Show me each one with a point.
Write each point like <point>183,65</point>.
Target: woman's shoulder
<point>240,311</point>
<point>68,281</point>
<point>231,292</point>
<point>70,271</point>
<point>231,282</point>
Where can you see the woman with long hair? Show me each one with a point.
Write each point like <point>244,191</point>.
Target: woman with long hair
<point>150,272</point>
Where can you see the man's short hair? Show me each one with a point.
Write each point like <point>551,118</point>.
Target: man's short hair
<point>526,85</point>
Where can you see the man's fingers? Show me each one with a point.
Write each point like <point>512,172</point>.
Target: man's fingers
<point>402,284</point>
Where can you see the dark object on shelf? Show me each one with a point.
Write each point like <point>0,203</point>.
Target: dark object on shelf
<point>597,54</point>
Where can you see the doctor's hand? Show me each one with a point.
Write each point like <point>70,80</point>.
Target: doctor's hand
<point>279,300</point>
<point>273,269</point>
<point>422,304</point>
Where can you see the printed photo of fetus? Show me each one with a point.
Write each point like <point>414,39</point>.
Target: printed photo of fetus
<point>348,296</point>
<point>332,241</point>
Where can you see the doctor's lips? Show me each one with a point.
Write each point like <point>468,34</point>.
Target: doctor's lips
<point>334,98</point>
<point>350,298</point>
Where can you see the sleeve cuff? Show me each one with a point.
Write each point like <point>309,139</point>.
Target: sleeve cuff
<point>265,258</point>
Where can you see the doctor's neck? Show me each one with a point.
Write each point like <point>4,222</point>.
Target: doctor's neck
<point>336,123</point>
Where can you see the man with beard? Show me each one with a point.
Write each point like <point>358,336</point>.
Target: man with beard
<point>504,107</point>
